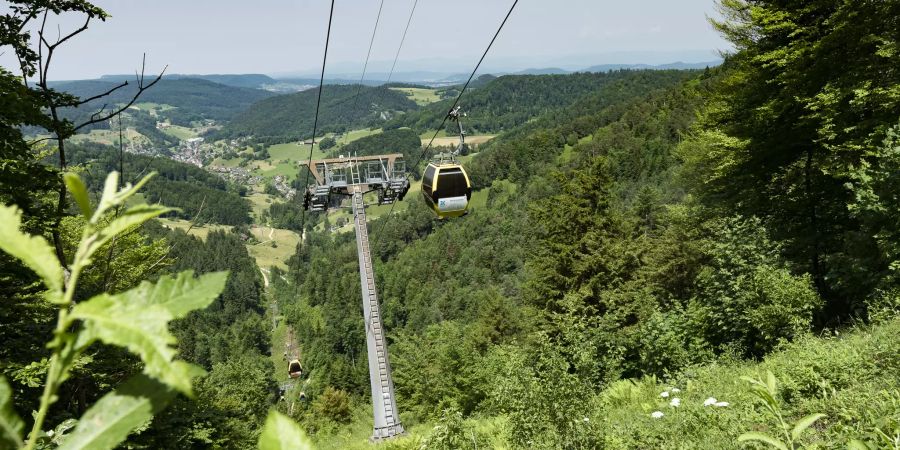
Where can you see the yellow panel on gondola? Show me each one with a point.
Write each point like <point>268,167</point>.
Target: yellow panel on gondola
<point>447,189</point>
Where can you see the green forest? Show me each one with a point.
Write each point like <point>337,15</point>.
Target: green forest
<point>669,259</point>
<point>289,117</point>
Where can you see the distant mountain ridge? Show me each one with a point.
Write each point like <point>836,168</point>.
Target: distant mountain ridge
<point>670,66</point>
<point>194,99</point>
<point>285,82</point>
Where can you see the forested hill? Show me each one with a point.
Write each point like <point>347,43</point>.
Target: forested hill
<point>195,99</point>
<point>290,117</point>
<point>249,80</point>
<point>498,104</point>
<point>403,140</point>
<point>201,196</point>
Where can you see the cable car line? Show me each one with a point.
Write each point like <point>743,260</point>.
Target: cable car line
<point>402,39</point>
<point>397,55</point>
<point>316,120</point>
<point>368,54</point>
<point>455,103</point>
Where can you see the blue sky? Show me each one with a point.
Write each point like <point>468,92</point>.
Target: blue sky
<point>280,36</point>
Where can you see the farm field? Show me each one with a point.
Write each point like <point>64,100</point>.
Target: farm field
<point>294,151</point>
<point>110,137</point>
<point>152,107</point>
<point>274,246</point>
<point>259,202</point>
<point>421,96</point>
<point>180,132</point>
<point>200,231</point>
<point>453,140</point>
<point>353,135</point>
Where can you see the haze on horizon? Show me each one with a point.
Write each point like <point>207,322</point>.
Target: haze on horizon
<point>286,38</point>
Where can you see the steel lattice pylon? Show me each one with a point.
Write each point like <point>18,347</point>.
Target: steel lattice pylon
<point>353,177</point>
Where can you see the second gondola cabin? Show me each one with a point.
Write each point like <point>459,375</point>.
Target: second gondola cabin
<point>295,370</point>
<point>447,189</point>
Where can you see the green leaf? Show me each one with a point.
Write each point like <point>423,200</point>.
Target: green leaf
<point>772,383</point>
<point>79,193</point>
<point>107,199</point>
<point>762,437</point>
<point>33,251</point>
<point>282,433</point>
<point>11,425</point>
<point>138,320</point>
<point>132,217</point>
<point>118,413</point>
<point>856,444</point>
<point>112,198</point>
<point>804,423</point>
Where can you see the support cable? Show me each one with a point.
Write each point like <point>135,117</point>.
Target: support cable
<point>316,120</point>
<point>452,107</point>
<point>368,54</point>
<point>400,47</point>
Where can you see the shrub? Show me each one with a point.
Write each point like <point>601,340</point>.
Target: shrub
<point>327,143</point>
<point>746,296</point>
<point>333,404</point>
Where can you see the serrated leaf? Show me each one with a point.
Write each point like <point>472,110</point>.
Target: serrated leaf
<point>79,192</point>
<point>106,424</point>
<point>804,423</point>
<point>138,320</point>
<point>33,251</point>
<point>132,217</point>
<point>282,433</point>
<point>179,295</point>
<point>107,199</point>
<point>762,437</point>
<point>11,426</point>
<point>112,198</point>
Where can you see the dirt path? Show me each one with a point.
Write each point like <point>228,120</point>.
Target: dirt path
<point>265,276</point>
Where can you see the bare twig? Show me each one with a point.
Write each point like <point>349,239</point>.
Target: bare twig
<point>197,216</point>
<point>89,99</point>
<point>100,116</point>
<point>171,247</point>
<point>107,273</point>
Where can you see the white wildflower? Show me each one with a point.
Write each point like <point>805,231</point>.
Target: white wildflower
<point>676,402</point>
<point>586,420</point>
<point>710,401</point>
<point>675,390</point>
<point>721,404</point>
<point>664,394</point>
<point>657,414</point>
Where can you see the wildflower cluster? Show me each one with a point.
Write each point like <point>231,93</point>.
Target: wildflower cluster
<point>675,401</point>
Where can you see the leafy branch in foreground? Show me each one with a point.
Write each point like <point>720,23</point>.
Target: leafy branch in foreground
<point>136,319</point>
<point>282,433</point>
<point>768,392</point>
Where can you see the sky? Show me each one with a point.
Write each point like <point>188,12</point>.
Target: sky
<point>286,38</point>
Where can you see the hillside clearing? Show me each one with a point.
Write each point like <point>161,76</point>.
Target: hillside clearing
<point>421,96</point>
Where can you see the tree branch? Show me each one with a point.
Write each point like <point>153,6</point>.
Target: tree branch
<point>99,116</point>
<point>82,101</point>
<point>59,41</point>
